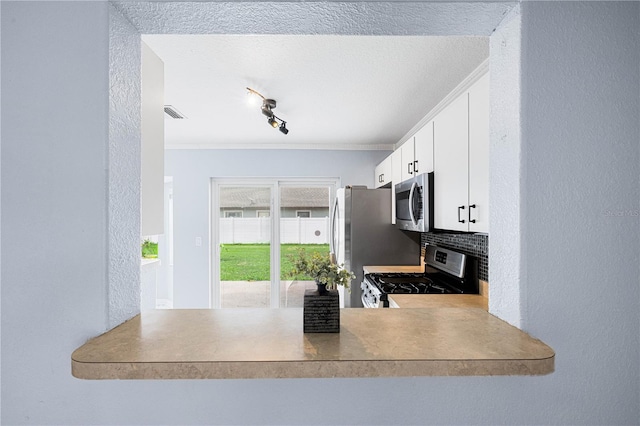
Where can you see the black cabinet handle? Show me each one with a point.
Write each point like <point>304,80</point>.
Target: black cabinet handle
<point>382,178</point>
<point>409,169</point>
<point>472,206</point>
<point>415,166</point>
<point>460,220</point>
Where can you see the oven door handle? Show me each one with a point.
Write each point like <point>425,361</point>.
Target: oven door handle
<point>368,304</point>
<point>411,215</point>
<point>364,301</point>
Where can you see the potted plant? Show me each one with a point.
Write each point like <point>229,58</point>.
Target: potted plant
<point>327,275</point>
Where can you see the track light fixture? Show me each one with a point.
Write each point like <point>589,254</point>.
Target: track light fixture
<point>268,105</point>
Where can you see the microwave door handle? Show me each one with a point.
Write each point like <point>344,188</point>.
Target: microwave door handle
<point>411,215</point>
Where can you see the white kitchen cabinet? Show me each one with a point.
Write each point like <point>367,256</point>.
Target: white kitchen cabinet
<point>396,177</point>
<point>396,166</point>
<point>417,153</point>
<point>152,143</point>
<point>383,173</point>
<point>479,156</point>
<point>451,166</point>
<point>423,149</point>
<point>461,162</point>
<point>407,155</point>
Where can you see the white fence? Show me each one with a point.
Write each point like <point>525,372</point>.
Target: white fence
<point>297,230</point>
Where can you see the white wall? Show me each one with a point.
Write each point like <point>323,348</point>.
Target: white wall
<point>192,170</point>
<point>580,152</point>
<point>581,137</point>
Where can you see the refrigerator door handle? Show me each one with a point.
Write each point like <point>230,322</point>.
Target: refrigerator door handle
<point>332,240</point>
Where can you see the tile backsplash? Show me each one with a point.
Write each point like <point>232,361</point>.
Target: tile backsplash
<point>472,244</point>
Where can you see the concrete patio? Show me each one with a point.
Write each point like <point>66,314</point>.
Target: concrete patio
<point>256,294</point>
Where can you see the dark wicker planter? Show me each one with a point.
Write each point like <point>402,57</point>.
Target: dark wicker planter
<point>321,312</point>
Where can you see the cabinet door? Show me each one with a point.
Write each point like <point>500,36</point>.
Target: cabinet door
<point>423,149</point>
<point>479,155</point>
<point>451,166</point>
<point>383,172</point>
<point>396,177</point>
<point>396,166</point>
<point>407,153</point>
<point>152,143</point>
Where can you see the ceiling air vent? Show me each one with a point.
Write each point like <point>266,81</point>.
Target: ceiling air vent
<point>172,112</point>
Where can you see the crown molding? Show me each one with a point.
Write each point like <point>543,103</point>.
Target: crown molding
<point>328,147</point>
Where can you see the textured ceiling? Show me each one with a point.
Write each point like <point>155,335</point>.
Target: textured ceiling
<point>344,92</point>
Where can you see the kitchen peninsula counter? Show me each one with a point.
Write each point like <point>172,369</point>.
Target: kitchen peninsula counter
<point>269,343</point>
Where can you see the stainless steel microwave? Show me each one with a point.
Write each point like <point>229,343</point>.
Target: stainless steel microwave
<point>414,203</point>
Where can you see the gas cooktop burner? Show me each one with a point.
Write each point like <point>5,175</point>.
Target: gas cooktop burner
<point>410,284</point>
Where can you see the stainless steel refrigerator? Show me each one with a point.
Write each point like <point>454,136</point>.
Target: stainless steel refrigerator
<point>362,234</point>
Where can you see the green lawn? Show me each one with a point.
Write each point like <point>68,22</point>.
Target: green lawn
<point>250,262</point>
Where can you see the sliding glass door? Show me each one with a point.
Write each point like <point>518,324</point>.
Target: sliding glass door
<point>304,225</point>
<point>256,227</point>
<point>244,224</point>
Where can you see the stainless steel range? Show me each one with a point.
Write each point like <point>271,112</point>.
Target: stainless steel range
<point>446,272</point>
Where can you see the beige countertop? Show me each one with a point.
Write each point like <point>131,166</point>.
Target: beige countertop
<point>269,343</point>
<point>383,269</point>
<point>439,301</point>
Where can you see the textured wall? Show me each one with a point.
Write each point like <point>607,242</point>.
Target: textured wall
<point>506,173</point>
<point>366,18</point>
<point>192,170</point>
<point>124,169</point>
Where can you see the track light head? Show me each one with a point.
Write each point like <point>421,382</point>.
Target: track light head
<point>268,105</point>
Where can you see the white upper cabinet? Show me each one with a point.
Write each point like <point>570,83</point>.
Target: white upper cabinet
<point>455,147</point>
<point>396,177</point>
<point>417,153</point>
<point>423,149</point>
<point>479,155</point>
<point>407,155</point>
<point>152,145</point>
<point>396,166</point>
<point>461,162</point>
<point>383,172</point>
<point>451,165</point>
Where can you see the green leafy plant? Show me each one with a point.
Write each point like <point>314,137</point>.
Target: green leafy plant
<point>149,249</point>
<point>319,267</point>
